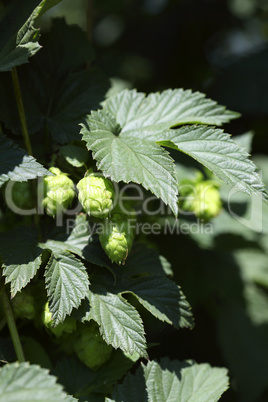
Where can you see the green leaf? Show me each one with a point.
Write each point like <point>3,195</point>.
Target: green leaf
<point>16,165</point>
<point>58,91</point>
<point>215,150</point>
<point>18,39</point>
<point>75,155</point>
<point>120,323</point>
<point>46,5</point>
<point>25,382</point>
<point>21,257</point>
<point>159,111</point>
<point>67,284</point>
<point>144,260</point>
<point>80,241</point>
<point>131,159</point>
<point>163,298</point>
<point>172,380</point>
<point>80,381</point>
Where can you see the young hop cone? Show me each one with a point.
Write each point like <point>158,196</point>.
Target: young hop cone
<point>23,305</point>
<point>68,326</point>
<point>117,237</point>
<point>59,192</point>
<point>204,201</point>
<point>96,195</point>
<point>90,348</point>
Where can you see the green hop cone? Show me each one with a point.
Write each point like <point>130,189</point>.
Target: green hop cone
<point>90,348</point>
<point>96,195</point>
<point>204,201</point>
<point>23,305</point>
<point>68,326</point>
<point>59,192</point>
<point>22,195</point>
<point>117,237</point>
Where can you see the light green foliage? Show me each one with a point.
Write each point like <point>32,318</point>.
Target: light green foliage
<point>90,347</point>
<point>201,197</point>
<point>58,192</point>
<point>117,237</point>
<point>25,382</point>
<point>68,326</point>
<point>23,305</point>
<point>96,195</point>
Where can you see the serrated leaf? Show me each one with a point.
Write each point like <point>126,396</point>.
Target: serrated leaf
<point>21,257</point>
<point>120,323</point>
<point>25,382</point>
<point>178,381</point>
<point>16,165</point>
<point>172,380</point>
<point>218,152</point>
<point>159,111</point>
<point>163,298</point>
<point>67,284</point>
<point>131,159</point>
<point>80,241</point>
<point>18,39</point>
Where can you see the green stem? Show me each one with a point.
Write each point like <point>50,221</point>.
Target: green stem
<point>12,325</point>
<point>17,90</point>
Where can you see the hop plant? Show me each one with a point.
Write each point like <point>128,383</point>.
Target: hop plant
<point>116,237</point>
<point>203,200</point>
<point>96,195</point>
<point>22,195</point>
<point>23,305</point>
<point>64,328</point>
<point>58,192</point>
<point>90,348</point>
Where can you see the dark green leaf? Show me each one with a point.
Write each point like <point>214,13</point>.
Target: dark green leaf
<point>16,165</point>
<point>21,257</point>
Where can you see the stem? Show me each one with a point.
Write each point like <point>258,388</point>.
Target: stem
<point>89,19</point>
<point>17,90</point>
<point>12,325</point>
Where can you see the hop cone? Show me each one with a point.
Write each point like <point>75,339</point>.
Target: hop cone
<point>90,348</point>
<point>205,201</point>
<point>117,237</point>
<point>96,195</point>
<point>58,192</point>
<point>23,305</point>
<point>66,327</point>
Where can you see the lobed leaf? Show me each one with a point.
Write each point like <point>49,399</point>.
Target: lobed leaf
<point>67,284</point>
<point>21,257</point>
<point>159,111</point>
<point>131,159</point>
<point>215,150</point>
